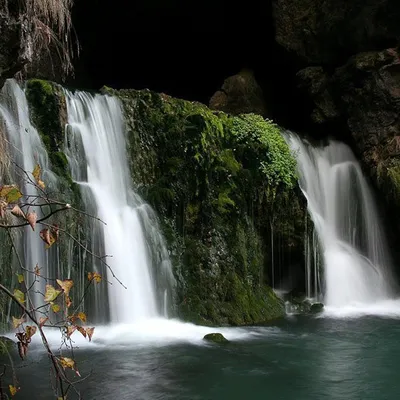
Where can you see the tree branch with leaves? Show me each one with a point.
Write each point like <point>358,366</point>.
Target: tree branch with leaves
<point>18,210</point>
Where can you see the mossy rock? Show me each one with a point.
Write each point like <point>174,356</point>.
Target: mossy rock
<point>7,345</point>
<point>215,338</point>
<point>316,308</point>
<point>217,182</point>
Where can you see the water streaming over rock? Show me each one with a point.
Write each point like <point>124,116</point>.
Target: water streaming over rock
<point>356,260</point>
<point>97,154</point>
<point>25,150</point>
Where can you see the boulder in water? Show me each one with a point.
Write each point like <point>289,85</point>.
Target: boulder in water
<point>316,308</point>
<point>215,338</point>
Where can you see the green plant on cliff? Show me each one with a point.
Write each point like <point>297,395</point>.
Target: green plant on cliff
<point>278,164</point>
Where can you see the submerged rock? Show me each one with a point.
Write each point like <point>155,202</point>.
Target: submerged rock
<point>316,308</point>
<point>215,338</point>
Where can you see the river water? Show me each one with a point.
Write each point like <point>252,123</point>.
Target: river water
<point>298,358</point>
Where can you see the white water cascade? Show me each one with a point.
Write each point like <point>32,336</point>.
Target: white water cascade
<point>97,155</point>
<point>356,260</point>
<point>26,150</point>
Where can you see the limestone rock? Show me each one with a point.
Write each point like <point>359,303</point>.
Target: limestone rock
<point>240,94</point>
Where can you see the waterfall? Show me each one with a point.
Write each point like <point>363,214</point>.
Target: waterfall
<point>97,155</point>
<point>356,260</point>
<point>26,149</point>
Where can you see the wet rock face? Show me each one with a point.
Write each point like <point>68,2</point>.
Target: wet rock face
<point>240,94</point>
<point>329,31</point>
<point>15,41</point>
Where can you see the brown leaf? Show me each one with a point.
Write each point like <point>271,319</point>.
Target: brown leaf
<point>42,321</point>
<point>66,285</point>
<point>37,270</point>
<point>89,332</point>
<point>31,218</point>
<point>3,208</point>
<point>30,330</point>
<point>81,330</point>
<point>45,236</point>
<point>17,211</point>
<point>22,350</point>
<point>70,330</point>
<point>68,301</point>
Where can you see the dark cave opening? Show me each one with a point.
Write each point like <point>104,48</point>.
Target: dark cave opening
<point>186,50</point>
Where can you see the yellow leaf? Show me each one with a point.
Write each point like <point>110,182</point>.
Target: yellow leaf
<point>42,321</point>
<point>66,285</point>
<point>13,390</point>
<point>55,307</point>
<point>17,211</point>
<point>11,193</point>
<point>19,295</point>
<point>30,331</point>
<point>70,330</point>
<point>41,184</point>
<point>20,278</point>
<point>31,218</point>
<point>89,332</point>
<point>94,276</point>
<point>82,316</point>
<point>51,293</point>
<point>36,172</point>
<point>17,322</point>
<point>67,362</point>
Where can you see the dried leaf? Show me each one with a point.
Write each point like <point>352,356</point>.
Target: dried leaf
<point>30,330</point>
<point>19,295</point>
<point>17,321</point>
<point>37,270</point>
<point>3,208</point>
<point>51,293</point>
<point>41,184</point>
<point>13,390</point>
<point>55,307</point>
<point>22,350</point>
<point>67,362</point>
<point>66,285</point>
<point>89,332</point>
<point>17,211</point>
<point>94,276</point>
<point>81,330</point>
<point>70,330</point>
<point>11,193</point>
<point>36,172</point>
<point>42,321</point>
<point>31,218</point>
<point>20,278</point>
<point>82,316</point>
<point>68,301</point>
<point>45,236</point>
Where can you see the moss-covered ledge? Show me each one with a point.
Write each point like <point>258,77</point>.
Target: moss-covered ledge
<point>221,185</point>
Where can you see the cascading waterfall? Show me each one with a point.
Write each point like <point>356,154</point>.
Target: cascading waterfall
<point>97,155</point>
<point>26,150</point>
<point>355,257</point>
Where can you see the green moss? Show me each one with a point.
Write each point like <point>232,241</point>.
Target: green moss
<point>216,182</point>
<point>215,338</point>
